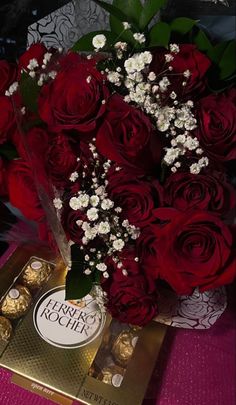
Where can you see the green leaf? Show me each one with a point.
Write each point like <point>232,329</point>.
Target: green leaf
<point>29,91</point>
<point>217,51</point>
<point>202,42</point>
<point>227,63</point>
<point>150,9</point>
<point>112,10</point>
<point>8,151</point>
<point>131,8</point>
<point>182,25</point>
<point>159,34</point>
<point>119,32</point>
<point>77,283</point>
<point>84,44</point>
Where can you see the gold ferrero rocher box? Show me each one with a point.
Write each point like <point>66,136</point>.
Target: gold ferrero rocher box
<point>69,350</point>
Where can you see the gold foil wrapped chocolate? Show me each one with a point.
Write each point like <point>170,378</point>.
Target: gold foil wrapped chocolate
<point>16,302</point>
<point>5,328</point>
<point>36,274</point>
<point>112,375</point>
<point>123,347</point>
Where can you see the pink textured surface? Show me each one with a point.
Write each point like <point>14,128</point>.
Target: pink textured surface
<point>194,367</point>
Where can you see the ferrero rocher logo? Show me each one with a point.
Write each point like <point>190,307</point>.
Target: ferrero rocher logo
<point>67,324</point>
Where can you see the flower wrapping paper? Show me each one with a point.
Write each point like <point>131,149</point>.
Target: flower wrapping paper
<point>61,29</point>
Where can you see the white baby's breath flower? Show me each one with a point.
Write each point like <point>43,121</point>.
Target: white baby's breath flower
<point>187,73</point>
<point>83,200</point>
<point>126,25</point>
<point>107,204</point>
<point>118,244</point>
<point>94,200</point>
<point>146,57</point>
<point>174,48</point>
<point>90,233</point>
<point>57,203</point>
<point>99,41</point>
<point>169,57</point>
<point>140,38</point>
<point>33,63</point>
<point>87,272</point>
<point>74,203</point>
<point>104,228</point>
<point>195,168</point>
<point>100,190</point>
<point>101,266</point>
<point>74,176</point>
<point>152,76</point>
<point>92,214</point>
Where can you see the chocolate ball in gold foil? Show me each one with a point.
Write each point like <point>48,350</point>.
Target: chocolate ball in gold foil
<point>123,348</point>
<point>36,274</point>
<point>5,329</point>
<point>16,302</point>
<point>112,375</point>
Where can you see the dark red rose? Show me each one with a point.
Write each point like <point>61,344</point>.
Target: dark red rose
<point>35,51</point>
<point>22,191</point>
<point>194,250</point>
<point>8,73</point>
<point>216,130</point>
<point>188,58</point>
<point>127,137</point>
<point>136,196</point>
<point>3,178</point>
<point>148,250</point>
<point>132,298</point>
<point>61,159</point>
<point>76,99</point>
<point>7,119</point>
<point>69,220</point>
<point>211,192</point>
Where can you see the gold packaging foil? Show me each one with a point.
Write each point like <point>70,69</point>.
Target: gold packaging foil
<point>36,274</point>
<point>17,302</point>
<point>112,375</point>
<point>123,348</point>
<point>5,328</point>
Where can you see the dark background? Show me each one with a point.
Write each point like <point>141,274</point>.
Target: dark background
<point>17,15</point>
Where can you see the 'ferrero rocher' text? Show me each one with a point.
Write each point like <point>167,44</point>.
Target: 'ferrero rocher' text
<point>67,316</point>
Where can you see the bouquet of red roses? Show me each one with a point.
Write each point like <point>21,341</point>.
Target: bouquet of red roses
<point>132,137</point>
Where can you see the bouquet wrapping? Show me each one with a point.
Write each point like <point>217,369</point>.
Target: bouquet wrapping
<point>126,146</point>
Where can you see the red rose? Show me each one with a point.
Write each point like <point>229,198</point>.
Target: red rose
<point>74,100</point>
<point>69,218</point>
<point>35,51</point>
<point>132,298</point>
<point>7,119</point>
<point>22,191</point>
<point>3,178</point>
<point>194,250</point>
<point>127,137</point>
<point>217,125</point>
<point>211,192</point>
<point>8,73</point>
<point>61,159</point>
<point>188,58</point>
<point>136,196</point>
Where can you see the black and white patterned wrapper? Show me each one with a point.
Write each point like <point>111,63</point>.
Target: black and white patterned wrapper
<point>61,29</point>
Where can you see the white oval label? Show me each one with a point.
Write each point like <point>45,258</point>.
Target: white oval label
<point>67,324</point>
<point>13,294</point>
<point>36,265</point>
